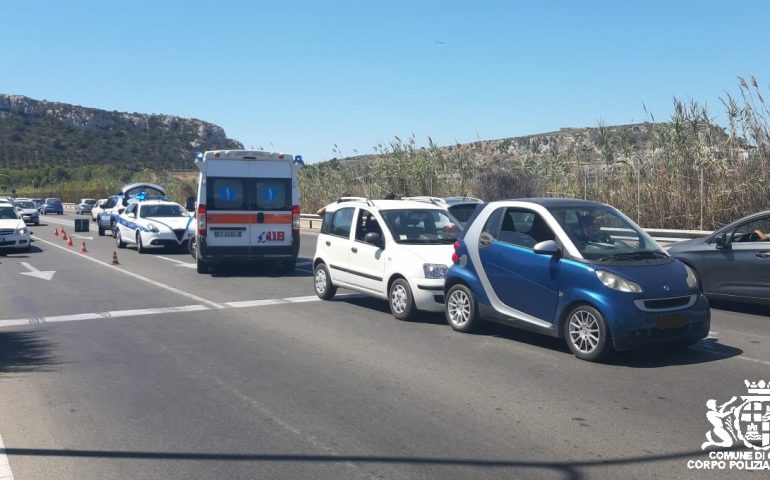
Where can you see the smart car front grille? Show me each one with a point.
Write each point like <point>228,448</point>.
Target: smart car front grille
<point>665,304</point>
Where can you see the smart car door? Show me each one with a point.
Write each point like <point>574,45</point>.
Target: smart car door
<point>523,281</point>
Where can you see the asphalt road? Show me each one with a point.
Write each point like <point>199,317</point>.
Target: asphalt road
<point>149,370</point>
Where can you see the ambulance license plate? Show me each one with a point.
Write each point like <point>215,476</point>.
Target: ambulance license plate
<point>228,234</point>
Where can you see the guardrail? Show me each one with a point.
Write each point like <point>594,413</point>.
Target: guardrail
<point>661,235</point>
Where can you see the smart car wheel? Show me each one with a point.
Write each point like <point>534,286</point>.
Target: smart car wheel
<point>323,283</point>
<point>460,309</point>
<point>119,240</point>
<point>401,300</point>
<point>139,245</point>
<point>587,334</point>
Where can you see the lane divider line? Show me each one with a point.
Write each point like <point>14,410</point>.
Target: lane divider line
<point>137,276</point>
<point>5,464</point>
<point>153,311</point>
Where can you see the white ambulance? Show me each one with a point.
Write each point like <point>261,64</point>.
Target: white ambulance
<point>247,208</point>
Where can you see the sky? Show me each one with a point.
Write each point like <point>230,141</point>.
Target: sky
<point>302,77</point>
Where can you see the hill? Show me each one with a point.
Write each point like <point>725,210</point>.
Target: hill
<point>35,133</point>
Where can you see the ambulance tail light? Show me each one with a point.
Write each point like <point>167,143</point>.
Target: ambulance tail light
<point>295,220</point>
<point>201,220</point>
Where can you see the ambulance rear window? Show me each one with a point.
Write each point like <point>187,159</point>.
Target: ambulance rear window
<point>253,194</point>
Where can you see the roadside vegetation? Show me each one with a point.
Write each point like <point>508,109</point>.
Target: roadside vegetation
<point>686,172</point>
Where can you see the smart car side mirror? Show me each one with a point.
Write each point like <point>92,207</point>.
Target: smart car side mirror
<point>373,238</point>
<point>547,247</point>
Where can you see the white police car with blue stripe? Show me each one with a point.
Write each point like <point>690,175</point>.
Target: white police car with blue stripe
<point>154,224</point>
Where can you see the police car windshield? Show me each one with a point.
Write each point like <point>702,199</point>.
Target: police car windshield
<point>421,226</point>
<point>148,211</point>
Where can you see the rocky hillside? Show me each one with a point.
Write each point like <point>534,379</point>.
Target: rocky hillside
<point>35,133</point>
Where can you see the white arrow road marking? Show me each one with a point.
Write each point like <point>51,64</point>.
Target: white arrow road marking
<point>34,272</point>
<point>178,262</point>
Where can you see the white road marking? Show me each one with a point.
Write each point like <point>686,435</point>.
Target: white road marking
<point>136,275</point>
<point>178,262</point>
<point>34,272</point>
<point>81,236</point>
<point>95,316</point>
<point>51,219</point>
<point>272,301</point>
<point>5,465</point>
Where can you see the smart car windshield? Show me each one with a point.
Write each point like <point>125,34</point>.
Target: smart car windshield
<point>602,233</point>
<point>421,226</point>
<point>148,211</point>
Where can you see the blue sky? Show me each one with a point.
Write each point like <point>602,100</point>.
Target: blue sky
<point>302,76</point>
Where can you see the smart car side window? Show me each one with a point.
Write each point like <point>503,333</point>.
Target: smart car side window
<point>492,227</point>
<point>342,222</point>
<point>524,228</point>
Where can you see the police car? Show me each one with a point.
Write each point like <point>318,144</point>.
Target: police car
<point>154,224</point>
<point>116,204</point>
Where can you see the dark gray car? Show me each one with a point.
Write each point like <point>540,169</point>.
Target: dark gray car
<point>732,263</point>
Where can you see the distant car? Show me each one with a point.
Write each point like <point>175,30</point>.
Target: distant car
<point>154,224</point>
<point>576,270</point>
<point>52,205</point>
<point>38,202</point>
<point>6,200</point>
<point>460,207</point>
<point>27,211</point>
<point>14,233</point>
<point>85,205</point>
<point>397,250</point>
<point>97,208</point>
<point>733,263</point>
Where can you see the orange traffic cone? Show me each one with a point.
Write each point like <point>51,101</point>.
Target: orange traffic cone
<point>83,248</point>
<point>63,235</point>
<point>115,258</point>
<point>69,242</point>
<point>56,232</point>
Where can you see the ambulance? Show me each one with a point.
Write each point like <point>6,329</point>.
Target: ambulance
<point>247,208</point>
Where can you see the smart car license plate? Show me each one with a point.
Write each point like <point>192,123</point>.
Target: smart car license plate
<point>670,321</point>
<point>227,234</point>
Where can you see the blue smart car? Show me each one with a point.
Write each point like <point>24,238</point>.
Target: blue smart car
<point>572,269</point>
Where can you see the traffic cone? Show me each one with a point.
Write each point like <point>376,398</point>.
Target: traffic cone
<point>83,248</point>
<point>63,235</point>
<point>56,232</point>
<point>115,258</point>
<point>69,242</point>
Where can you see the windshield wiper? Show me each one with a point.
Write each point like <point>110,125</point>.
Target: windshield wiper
<point>633,255</point>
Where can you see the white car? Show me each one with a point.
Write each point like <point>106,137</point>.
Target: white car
<point>14,233</point>
<point>154,224</point>
<point>98,208</point>
<point>27,210</point>
<point>397,250</point>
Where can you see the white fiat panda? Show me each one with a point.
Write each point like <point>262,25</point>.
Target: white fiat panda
<point>397,250</point>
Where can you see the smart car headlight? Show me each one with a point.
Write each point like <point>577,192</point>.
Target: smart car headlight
<point>152,228</point>
<point>692,279</point>
<point>616,282</point>
<point>434,270</point>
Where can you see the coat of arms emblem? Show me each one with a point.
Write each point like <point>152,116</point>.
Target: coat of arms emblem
<point>745,419</point>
